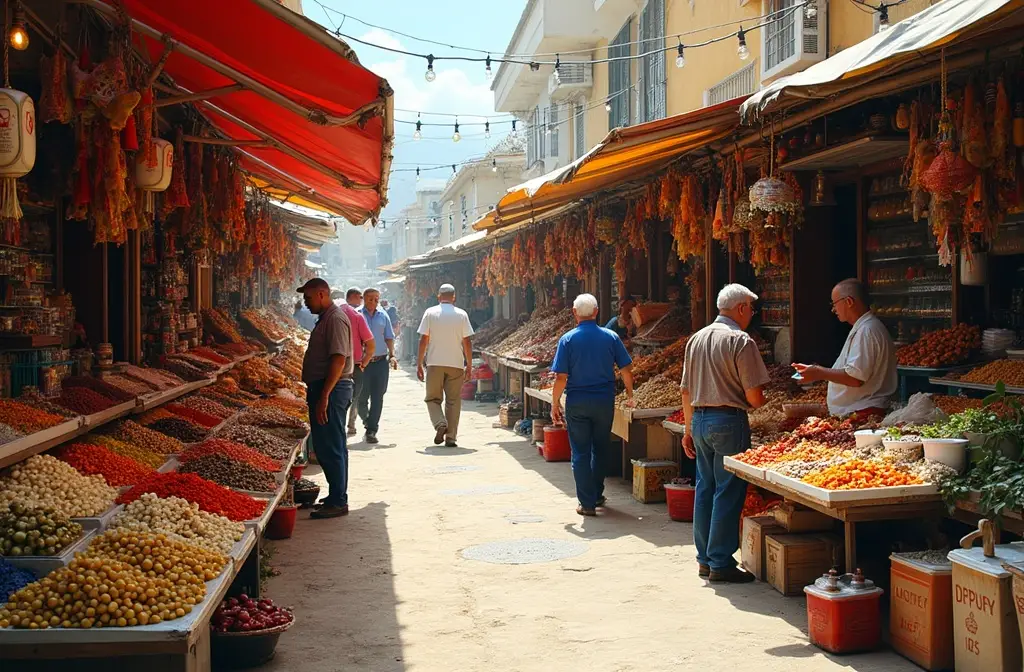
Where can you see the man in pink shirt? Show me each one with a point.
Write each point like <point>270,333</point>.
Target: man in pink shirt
<point>362,346</point>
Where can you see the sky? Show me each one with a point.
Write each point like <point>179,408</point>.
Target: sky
<point>459,88</point>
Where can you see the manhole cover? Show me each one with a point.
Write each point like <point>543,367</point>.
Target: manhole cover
<point>525,518</point>
<point>484,490</point>
<point>524,551</point>
<point>453,469</point>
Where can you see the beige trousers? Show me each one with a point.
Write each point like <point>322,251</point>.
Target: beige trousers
<point>445,383</point>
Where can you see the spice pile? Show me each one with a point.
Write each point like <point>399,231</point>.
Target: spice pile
<point>296,408</point>
<point>491,332</point>
<point>669,359</point>
<point>259,439</point>
<point>129,386</point>
<point>26,419</point>
<point>209,496</point>
<point>1009,371</point>
<point>264,323</point>
<point>179,428</point>
<point>126,449</point>
<point>229,472</point>
<point>270,416</point>
<point>537,340</point>
<point>158,379</point>
<point>116,470</point>
<point>235,451</point>
<point>219,323</point>
<point>207,406</point>
<point>195,416</point>
<point>945,347</point>
<point>84,401</point>
<point>211,354</point>
<point>44,482</point>
<point>98,386</point>
<point>152,441</point>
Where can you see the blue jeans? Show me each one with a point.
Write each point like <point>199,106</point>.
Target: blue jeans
<point>371,393</point>
<point>329,441</point>
<point>590,430</point>
<point>719,497</point>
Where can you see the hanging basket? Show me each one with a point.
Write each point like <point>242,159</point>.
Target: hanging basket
<point>770,194</point>
<point>742,218</point>
<point>948,174</point>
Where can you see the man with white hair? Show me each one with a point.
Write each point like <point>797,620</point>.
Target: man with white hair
<point>723,374</point>
<point>584,365</point>
<point>446,350</point>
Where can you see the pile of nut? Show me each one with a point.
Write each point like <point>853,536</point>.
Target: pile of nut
<point>658,392</point>
<point>270,416</point>
<point>1009,371</point>
<point>143,437</point>
<point>44,482</point>
<point>230,472</point>
<point>181,520</point>
<point>254,437</point>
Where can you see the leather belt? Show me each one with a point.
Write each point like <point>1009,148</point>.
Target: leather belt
<point>377,359</point>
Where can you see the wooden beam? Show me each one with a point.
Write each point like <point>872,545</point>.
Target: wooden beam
<point>225,142</point>
<point>199,95</point>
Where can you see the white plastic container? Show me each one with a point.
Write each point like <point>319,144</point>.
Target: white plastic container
<point>17,133</point>
<point>867,438</point>
<point>156,175</point>
<point>950,452</point>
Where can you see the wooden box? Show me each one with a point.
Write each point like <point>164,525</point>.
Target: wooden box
<point>796,560</point>
<point>796,519</point>
<point>986,637</point>
<point>648,478</point>
<point>752,548</point>
<point>509,418</point>
<point>921,611</point>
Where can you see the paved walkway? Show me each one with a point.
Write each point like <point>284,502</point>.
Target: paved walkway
<point>387,588</point>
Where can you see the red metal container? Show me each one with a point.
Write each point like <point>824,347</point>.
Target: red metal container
<point>843,613</point>
<point>556,444</point>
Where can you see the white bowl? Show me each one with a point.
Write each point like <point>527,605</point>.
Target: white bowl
<point>866,438</point>
<point>950,452</point>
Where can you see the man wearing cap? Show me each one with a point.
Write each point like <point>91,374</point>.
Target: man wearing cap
<point>363,347</point>
<point>377,372</point>
<point>447,352</point>
<point>327,372</point>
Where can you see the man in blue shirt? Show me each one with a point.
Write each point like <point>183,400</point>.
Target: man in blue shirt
<point>376,373</point>
<point>585,364</point>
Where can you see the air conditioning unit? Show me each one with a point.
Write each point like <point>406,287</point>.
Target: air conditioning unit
<point>791,42</point>
<point>570,79</point>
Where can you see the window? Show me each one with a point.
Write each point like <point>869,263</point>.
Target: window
<point>652,66</point>
<point>580,132</point>
<point>462,205</point>
<point>780,34</point>
<point>542,135</point>
<point>553,125</point>
<point>740,83</point>
<point>618,79</point>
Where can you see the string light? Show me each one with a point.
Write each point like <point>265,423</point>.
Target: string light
<point>742,50</point>
<point>418,133</point>
<point>487,129</point>
<point>883,17</point>
<point>608,105</point>
<point>17,36</point>
<point>534,66</point>
<point>417,174</point>
<point>453,169</point>
<point>494,165</point>
<point>680,59</point>
<point>558,65</point>
<point>456,136</point>
<point>487,68</point>
<point>430,75</point>
<point>514,132</point>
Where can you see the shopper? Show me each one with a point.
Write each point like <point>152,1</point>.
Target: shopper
<point>585,362</point>
<point>863,379</point>
<point>447,352</point>
<point>377,371</point>
<point>622,324</point>
<point>304,317</point>
<point>363,348</point>
<point>327,372</point>
<point>392,314</point>
<point>723,376</point>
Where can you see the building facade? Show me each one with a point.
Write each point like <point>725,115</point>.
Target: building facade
<point>477,187</point>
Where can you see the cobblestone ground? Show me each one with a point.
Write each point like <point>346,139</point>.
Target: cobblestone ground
<point>388,587</point>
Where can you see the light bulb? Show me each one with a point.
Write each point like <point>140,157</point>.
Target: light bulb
<point>494,165</point>
<point>456,136</point>
<point>18,37</point>
<point>430,75</point>
<point>680,59</point>
<point>742,50</point>
<point>417,174</point>
<point>417,134</point>
<point>558,66</point>
<point>487,129</point>
<point>608,105</point>
<point>514,133</point>
<point>487,68</point>
<point>883,18</point>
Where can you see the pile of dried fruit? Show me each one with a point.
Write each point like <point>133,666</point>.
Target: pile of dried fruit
<point>648,366</point>
<point>537,339</point>
<point>296,408</point>
<point>8,434</point>
<point>97,385</point>
<point>263,323</point>
<point>951,405</point>
<point>1009,371</point>
<point>230,472</point>
<point>26,530</point>
<point>130,431</point>
<point>658,392</point>
<point>116,470</point>
<point>209,496</point>
<point>858,474</point>
<point>25,419</point>
<point>207,406</point>
<point>270,416</point>
<point>220,324</point>
<point>192,415</point>
<point>129,385</point>
<point>945,347</point>
<point>222,399</point>
<point>159,554</point>
<point>44,482</point>
<point>180,520</point>
<point>127,449</point>
<point>258,439</point>
<point>233,450</point>
<point>228,386</point>
<point>158,379</point>
<point>83,400</point>
<point>256,375</point>
<point>201,363</point>
<point>211,354</point>
<point>180,428</point>
<point>184,369</point>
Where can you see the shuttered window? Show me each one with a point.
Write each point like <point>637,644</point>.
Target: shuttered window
<point>553,125</point>
<point>618,79</point>
<point>652,36</point>
<point>579,132</point>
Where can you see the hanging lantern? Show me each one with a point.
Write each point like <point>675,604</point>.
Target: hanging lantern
<point>822,196</point>
<point>154,174</point>
<point>770,194</point>
<point>17,147</point>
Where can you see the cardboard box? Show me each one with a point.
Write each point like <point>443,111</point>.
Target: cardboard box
<point>752,548</point>
<point>921,611</point>
<point>797,519</point>
<point>509,418</point>
<point>796,560</point>
<point>648,478</point>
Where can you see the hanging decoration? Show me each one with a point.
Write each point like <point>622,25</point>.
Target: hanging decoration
<point>17,149</point>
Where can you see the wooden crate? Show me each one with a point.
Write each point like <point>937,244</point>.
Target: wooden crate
<point>796,560</point>
<point>509,418</point>
<point>648,478</point>
<point>752,547</point>
<point>797,519</point>
<point>986,636</point>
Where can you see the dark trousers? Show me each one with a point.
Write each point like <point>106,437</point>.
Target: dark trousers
<point>719,497</point>
<point>590,429</point>
<point>371,396</point>
<point>329,441</point>
<point>357,380</point>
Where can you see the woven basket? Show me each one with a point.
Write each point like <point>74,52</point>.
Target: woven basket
<point>948,174</point>
<point>742,218</point>
<point>770,194</point>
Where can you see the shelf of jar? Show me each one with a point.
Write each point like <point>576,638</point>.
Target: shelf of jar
<point>905,257</point>
<point>890,192</point>
<point>900,291</point>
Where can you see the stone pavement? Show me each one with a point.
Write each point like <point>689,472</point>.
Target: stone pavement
<point>409,580</point>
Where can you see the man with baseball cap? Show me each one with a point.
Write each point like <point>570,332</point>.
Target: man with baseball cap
<point>327,372</point>
<point>448,353</point>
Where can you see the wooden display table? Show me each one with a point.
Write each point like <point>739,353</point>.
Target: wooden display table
<point>643,436</point>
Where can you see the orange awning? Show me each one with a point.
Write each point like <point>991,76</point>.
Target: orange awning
<point>625,155</point>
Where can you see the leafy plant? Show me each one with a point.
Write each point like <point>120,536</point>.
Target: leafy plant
<point>893,433</point>
<point>977,421</point>
<point>940,430</point>
<point>998,480</point>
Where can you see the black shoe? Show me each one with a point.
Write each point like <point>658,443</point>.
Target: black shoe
<point>371,437</point>
<point>703,571</point>
<point>731,575</point>
<point>450,444</point>
<point>583,511</point>
<point>439,436</point>
<point>329,511</point>
<point>601,500</point>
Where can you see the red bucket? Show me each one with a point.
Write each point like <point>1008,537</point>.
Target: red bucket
<point>680,502</point>
<point>297,470</point>
<point>468,390</point>
<point>282,522</point>
<point>556,444</point>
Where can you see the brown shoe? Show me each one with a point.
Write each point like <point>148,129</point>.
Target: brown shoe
<point>329,511</point>
<point>585,511</point>
<point>731,575</point>
<point>439,436</point>
<point>703,571</point>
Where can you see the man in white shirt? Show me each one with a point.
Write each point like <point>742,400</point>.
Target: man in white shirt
<point>448,353</point>
<point>863,379</point>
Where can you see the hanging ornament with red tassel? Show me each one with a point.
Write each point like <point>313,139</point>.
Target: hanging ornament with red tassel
<point>17,148</point>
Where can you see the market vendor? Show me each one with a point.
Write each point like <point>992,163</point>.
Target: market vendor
<point>622,324</point>
<point>863,379</point>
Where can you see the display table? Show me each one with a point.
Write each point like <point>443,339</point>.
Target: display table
<point>918,378</point>
<point>643,436</point>
<point>958,386</point>
<point>33,444</point>
<point>150,401</point>
<point>850,512</point>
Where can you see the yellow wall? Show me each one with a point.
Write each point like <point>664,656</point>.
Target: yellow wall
<point>595,126</point>
<point>850,24</point>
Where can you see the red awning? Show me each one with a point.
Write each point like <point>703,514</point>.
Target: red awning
<point>315,96</point>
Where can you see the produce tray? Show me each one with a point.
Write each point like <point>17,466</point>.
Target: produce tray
<point>100,522</point>
<point>150,401</point>
<point>865,495</point>
<point>939,371</point>
<point>734,465</point>
<point>112,413</point>
<point>41,565</point>
<point>644,413</point>
<point>674,427</point>
<point>948,382</point>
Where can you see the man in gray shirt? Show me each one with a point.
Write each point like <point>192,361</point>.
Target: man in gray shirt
<point>327,372</point>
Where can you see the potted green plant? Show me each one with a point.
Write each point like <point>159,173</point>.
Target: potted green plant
<point>986,430</point>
